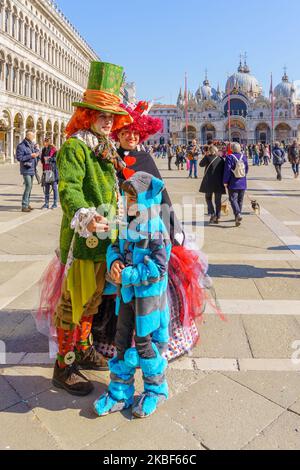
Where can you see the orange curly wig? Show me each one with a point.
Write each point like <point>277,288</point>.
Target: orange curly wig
<point>82,120</point>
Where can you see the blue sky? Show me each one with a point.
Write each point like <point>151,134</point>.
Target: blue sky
<point>158,41</point>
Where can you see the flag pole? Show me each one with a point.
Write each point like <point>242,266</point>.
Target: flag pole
<point>273,112</point>
<point>229,114</point>
<point>186,111</point>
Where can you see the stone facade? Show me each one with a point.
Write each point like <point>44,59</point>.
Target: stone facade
<point>251,112</point>
<point>44,66</point>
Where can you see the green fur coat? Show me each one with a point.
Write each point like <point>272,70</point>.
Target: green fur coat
<point>85,181</point>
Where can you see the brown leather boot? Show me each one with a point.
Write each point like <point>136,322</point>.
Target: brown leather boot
<point>72,381</point>
<point>26,209</point>
<point>91,360</point>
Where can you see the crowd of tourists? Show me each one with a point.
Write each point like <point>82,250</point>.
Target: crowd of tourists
<point>259,154</point>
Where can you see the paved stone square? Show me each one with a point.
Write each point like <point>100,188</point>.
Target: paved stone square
<point>239,389</point>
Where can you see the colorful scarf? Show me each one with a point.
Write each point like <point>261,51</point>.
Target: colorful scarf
<point>103,148</point>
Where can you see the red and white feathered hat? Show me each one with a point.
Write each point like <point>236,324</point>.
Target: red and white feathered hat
<point>144,124</point>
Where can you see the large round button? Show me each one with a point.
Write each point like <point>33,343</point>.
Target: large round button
<point>70,358</point>
<point>92,242</point>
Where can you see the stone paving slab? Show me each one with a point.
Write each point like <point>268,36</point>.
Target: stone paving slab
<point>9,321</point>
<point>8,396</point>
<point>21,430</point>
<point>296,407</point>
<point>25,338</point>
<point>270,365</point>
<point>29,300</point>
<point>71,420</point>
<point>283,434</point>
<point>283,388</point>
<point>272,336</point>
<point>222,339</point>
<point>221,413</point>
<point>9,270</point>
<point>235,288</point>
<point>29,381</point>
<point>16,246</point>
<point>158,433</point>
<point>21,282</point>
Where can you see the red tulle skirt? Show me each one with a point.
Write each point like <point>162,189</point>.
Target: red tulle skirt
<point>50,293</point>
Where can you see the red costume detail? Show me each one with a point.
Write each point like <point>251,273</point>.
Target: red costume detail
<point>130,161</point>
<point>143,124</point>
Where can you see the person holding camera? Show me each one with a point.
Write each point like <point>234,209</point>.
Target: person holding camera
<point>193,154</point>
<point>27,154</point>
<point>50,173</point>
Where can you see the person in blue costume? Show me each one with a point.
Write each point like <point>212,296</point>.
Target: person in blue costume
<point>138,265</point>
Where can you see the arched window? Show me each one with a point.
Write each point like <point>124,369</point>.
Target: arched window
<point>21,80</point>
<point>45,49</point>
<point>6,20</point>
<point>20,31</point>
<point>14,79</point>
<point>32,87</point>
<point>31,38</point>
<point>36,42</point>
<point>27,84</point>
<point>26,34</point>
<point>7,77</point>
<point>14,25</point>
<point>46,92</point>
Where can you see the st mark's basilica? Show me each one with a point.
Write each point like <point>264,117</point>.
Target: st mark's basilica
<point>250,109</point>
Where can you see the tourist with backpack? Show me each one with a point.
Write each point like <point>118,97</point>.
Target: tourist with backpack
<point>294,158</point>
<point>235,180</point>
<point>50,174</point>
<point>278,160</point>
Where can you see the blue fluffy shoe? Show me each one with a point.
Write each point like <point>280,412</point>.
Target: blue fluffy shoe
<point>107,405</point>
<point>120,395</point>
<point>147,403</point>
<point>156,389</point>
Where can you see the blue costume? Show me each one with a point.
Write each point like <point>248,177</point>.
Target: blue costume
<point>144,247</point>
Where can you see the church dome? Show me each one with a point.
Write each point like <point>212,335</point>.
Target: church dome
<point>243,81</point>
<point>285,89</point>
<point>206,92</point>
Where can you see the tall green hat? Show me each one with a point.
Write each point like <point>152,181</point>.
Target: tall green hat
<point>103,91</point>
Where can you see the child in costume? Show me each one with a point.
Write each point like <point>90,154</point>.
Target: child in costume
<point>188,266</point>
<point>138,264</point>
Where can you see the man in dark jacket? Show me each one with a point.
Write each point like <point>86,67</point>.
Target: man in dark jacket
<point>278,159</point>
<point>212,183</point>
<point>294,158</point>
<point>236,184</point>
<point>27,155</point>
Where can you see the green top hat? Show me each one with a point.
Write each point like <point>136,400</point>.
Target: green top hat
<point>107,78</point>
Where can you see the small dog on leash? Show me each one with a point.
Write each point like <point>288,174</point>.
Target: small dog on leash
<point>256,207</point>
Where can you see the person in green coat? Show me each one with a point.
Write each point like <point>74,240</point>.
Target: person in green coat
<point>91,204</point>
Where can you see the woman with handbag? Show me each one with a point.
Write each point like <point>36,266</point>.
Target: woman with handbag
<point>50,173</point>
<point>212,183</point>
